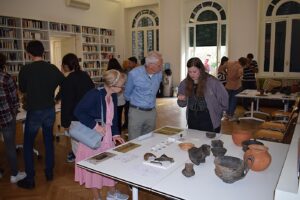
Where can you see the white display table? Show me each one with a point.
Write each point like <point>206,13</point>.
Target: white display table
<point>129,168</point>
<point>288,187</point>
<point>254,94</point>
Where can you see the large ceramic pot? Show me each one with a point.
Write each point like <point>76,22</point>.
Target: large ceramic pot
<point>238,136</point>
<point>258,157</point>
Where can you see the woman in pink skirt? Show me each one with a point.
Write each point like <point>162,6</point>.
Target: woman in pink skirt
<point>96,103</point>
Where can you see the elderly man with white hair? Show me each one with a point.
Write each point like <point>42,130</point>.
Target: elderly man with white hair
<point>141,87</point>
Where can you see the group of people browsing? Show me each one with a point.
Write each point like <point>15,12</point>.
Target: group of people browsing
<point>237,76</point>
<point>133,90</point>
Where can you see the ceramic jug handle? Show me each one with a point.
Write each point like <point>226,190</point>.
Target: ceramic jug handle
<point>247,167</point>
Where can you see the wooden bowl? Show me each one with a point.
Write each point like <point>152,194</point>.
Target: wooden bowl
<point>185,146</point>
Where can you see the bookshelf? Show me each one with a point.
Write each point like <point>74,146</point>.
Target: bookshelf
<point>96,45</point>
<point>36,30</point>
<point>11,43</point>
<point>107,46</point>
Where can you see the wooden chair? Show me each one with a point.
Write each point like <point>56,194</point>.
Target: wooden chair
<point>281,115</point>
<point>279,134</point>
<point>279,125</point>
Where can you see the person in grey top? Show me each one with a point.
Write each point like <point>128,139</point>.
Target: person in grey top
<point>204,96</point>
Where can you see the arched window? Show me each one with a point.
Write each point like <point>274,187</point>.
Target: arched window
<point>282,41</point>
<point>206,32</point>
<point>145,33</point>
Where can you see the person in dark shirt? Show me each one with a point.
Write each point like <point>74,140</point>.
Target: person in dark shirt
<point>132,63</point>
<point>9,104</point>
<point>114,64</point>
<point>74,87</point>
<point>38,80</point>
<point>249,80</point>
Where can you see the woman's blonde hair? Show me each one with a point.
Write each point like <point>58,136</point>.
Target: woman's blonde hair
<point>112,77</point>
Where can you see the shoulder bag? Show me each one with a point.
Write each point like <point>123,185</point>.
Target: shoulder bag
<point>86,135</point>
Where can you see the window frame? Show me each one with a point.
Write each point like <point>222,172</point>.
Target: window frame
<point>273,19</point>
<point>220,22</point>
<point>139,16</point>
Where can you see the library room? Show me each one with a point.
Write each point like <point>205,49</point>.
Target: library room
<point>105,99</point>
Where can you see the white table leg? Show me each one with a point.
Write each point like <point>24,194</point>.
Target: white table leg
<point>251,113</point>
<point>135,193</point>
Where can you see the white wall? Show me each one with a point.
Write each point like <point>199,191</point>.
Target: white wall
<point>129,14</point>
<point>243,28</point>
<point>170,35</point>
<point>242,18</point>
<point>102,13</point>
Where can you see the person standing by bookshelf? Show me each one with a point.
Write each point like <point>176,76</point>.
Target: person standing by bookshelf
<point>9,104</point>
<point>75,86</point>
<point>38,80</point>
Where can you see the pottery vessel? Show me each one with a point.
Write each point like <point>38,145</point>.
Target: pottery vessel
<point>188,171</point>
<point>230,169</point>
<point>198,155</point>
<point>246,143</point>
<point>217,143</point>
<point>258,157</point>
<point>238,136</point>
<point>210,134</point>
<point>218,151</point>
<point>185,146</point>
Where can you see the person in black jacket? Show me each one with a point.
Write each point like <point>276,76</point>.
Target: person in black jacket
<point>75,86</point>
<point>38,80</point>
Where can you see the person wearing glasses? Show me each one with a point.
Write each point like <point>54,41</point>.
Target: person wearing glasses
<point>89,111</point>
<point>140,90</point>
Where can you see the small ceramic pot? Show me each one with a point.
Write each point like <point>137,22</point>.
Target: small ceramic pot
<point>262,92</point>
<point>258,157</point>
<point>188,171</point>
<point>217,143</point>
<point>238,136</point>
<point>218,151</point>
<point>210,134</point>
<point>246,143</point>
<point>185,146</point>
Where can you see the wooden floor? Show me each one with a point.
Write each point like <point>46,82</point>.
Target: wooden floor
<point>63,186</point>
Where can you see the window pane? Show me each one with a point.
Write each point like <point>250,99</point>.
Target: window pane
<point>197,8</point>
<point>207,3</point>
<point>295,47</point>
<point>191,36</point>
<point>157,40</point>
<point>206,35</point>
<point>207,15</point>
<point>144,22</point>
<point>223,15</point>
<point>150,42</point>
<point>289,8</point>
<point>267,47</point>
<point>217,6</point>
<point>133,44</point>
<point>280,32</point>
<point>270,10</point>
<point>223,35</point>
<point>140,44</point>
